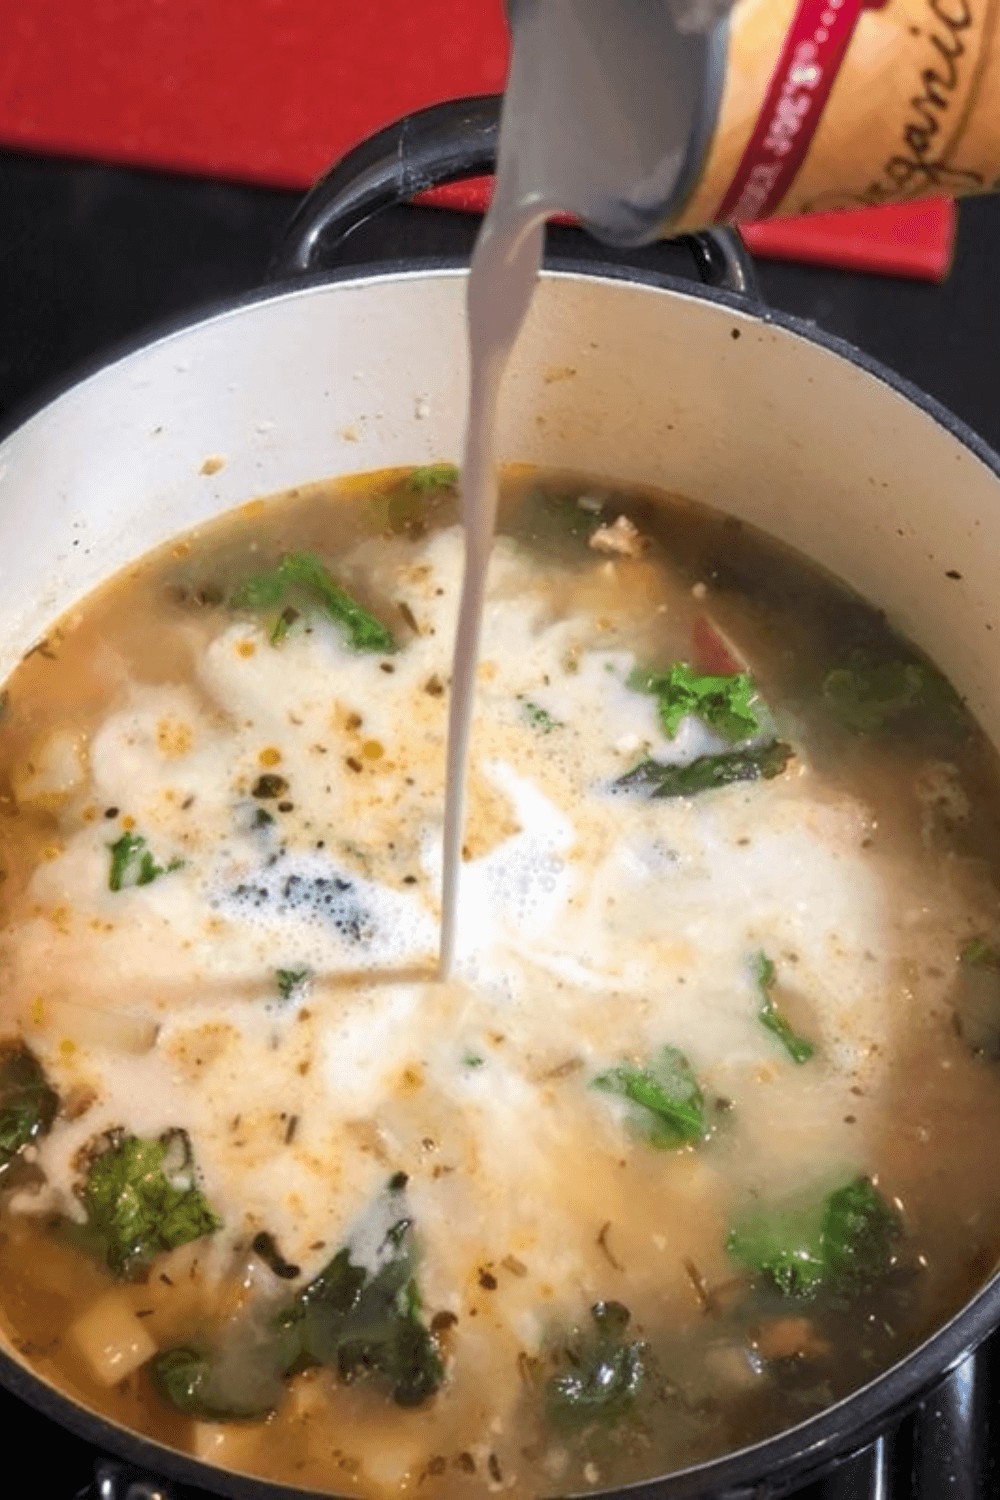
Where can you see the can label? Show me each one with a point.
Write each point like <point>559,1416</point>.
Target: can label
<point>864,102</point>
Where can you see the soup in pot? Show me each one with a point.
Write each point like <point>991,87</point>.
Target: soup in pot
<point>698,1135</point>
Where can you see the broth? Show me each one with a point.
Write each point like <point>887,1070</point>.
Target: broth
<point>698,1136</point>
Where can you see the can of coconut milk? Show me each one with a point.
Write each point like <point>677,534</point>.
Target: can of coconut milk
<point>833,104</point>
<point>703,111</point>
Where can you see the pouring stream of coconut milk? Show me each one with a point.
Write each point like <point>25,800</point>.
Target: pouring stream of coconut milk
<point>600,120</point>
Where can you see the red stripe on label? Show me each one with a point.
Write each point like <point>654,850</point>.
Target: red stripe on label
<point>799,88</point>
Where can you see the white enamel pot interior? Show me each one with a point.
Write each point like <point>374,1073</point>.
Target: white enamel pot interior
<point>631,381</point>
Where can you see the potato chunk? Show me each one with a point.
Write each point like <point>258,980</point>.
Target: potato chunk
<point>112,1340</point>
<point>55,770</point>
<point>231,1445</point>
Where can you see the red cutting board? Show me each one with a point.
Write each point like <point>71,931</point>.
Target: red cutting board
<point>273,91</point>
<point>268,91</point>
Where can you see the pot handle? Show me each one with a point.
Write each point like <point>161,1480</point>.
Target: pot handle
<point>115,1481</point>
<point>442,144</point>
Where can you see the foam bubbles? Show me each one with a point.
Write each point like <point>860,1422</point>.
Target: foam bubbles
<point>518,888</point>
<point>327,919</point>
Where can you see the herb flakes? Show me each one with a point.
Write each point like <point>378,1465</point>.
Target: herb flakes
<point>291,980</point>
<point>539,718</point>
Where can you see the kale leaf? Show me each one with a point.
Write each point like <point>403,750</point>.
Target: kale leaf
<point>306,578</point>
<point>132,863</point>
<point>799,1048</point>
<point>28,1104</point>
<point>433,477</point>
<point>605,1373</point>
<point>669,1106</point>
<point>860,1233</point>
<point>724,704</point>
<point>187,1378</point>
<point>869,696</point>
<point>140,1199</point>
<point>363,1321</point>
<point>660,779</point>
<point>843,1243</point>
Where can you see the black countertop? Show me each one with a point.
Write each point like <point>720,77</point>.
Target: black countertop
<point>92,255</point>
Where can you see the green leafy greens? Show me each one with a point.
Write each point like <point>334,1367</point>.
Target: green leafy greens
<point>660,779</point>
<point>724,704</point>
<point>606,1372</point>
<point>869,696</point>
<point>132,863</point>
<point>799,1048</point>
<point>301,583</point>
<point>140,1199</point>
<point>843,1243</point>
<point>188,1379</point>
<point>433,477</point>
<point>365,1321</point>
<point>669,1108</point>
<point>361,1321</point>
<point>28,1104</point>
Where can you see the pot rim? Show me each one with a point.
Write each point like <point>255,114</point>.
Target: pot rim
<point>557,267</point>
<point>795,1455</point>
